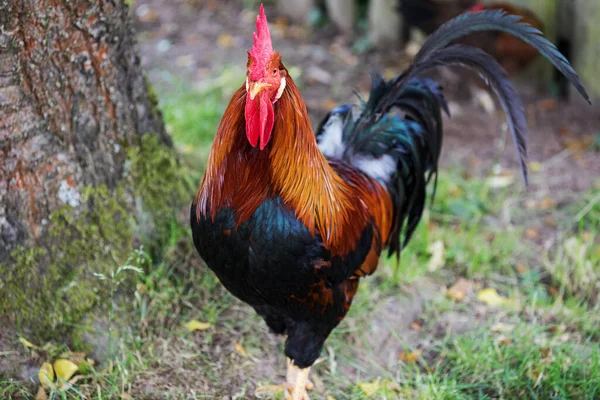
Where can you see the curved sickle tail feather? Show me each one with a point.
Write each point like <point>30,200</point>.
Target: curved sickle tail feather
<point>413,140</point>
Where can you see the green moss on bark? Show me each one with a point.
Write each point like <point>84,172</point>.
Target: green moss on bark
<point>50,287</point>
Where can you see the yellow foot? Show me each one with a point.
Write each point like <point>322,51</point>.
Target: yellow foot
<point>275,391</point>
<point>297,383</point>
<point>295,388</point>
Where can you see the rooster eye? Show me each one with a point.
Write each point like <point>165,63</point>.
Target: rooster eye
<point>275,71</point>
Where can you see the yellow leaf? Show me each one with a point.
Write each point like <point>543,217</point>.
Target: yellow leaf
<point>534,166</point>
<point>438,255</point>
<point>330,397</point>
<point>491,297</point>
<point>27,343</point>
<point>64,369</point>
<point>195,325</point>
<point>369,388</point>
<point>240,349</point>
<point>41,394</point>
<point>46,375</point>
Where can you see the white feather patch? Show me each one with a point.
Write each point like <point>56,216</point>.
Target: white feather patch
<point>280,90</point>
<point>380,168</point>
<point>330,142</point>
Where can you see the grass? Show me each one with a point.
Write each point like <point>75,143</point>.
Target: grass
<point>403,338</point>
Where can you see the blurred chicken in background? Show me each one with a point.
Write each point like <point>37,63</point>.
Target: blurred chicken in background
<point>511,52</point>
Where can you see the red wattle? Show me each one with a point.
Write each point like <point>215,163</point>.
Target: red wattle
<point>260,118</point>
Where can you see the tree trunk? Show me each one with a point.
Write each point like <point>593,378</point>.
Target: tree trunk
<point>75,110</point>
<point>71,95</point>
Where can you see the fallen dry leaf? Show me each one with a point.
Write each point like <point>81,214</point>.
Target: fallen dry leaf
<point>65,369</point>
<point>522,269</point>
<point>46,375</point>
<point>27,343</point>
<point>536,376</point>
<point>330,397</point>
<point>502,327</point>
<point>240,349</point>
<point>534,166</point>
<point>546,203</point>
<point>195,325</point>
<point>491,297</point>
<point>531,233</point>
<point>505,341</point>
<point>410,357</point>
<point>369,388</point>
<point>460,289</point>
<point>438,255</point>
<point>41,394</point>
<point>416,325</point>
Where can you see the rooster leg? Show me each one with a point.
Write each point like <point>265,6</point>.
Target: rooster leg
<point>289,387</point>
<point>297,382</point>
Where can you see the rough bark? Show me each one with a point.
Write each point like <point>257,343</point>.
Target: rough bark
<point>72,99</point>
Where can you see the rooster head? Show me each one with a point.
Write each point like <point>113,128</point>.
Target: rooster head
<point>265,82</point>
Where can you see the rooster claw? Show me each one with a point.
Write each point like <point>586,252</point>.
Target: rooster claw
<point>287,389</point>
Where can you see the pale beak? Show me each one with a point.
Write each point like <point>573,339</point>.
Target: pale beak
<point>255,88</point>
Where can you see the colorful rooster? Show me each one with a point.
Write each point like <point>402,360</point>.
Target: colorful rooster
<point>289,221</point>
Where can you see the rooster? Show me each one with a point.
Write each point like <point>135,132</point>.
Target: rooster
<point>510,51</point>
<point>290,220</point>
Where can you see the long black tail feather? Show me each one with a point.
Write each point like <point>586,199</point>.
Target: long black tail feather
<point>415,140</point>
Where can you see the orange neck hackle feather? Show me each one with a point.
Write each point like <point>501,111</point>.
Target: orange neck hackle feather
<point>291,167</point>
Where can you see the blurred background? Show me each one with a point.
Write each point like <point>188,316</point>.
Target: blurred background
<point>495,297</point>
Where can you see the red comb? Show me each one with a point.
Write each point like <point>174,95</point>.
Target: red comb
<point>479,7</point>
<point>262,50</point>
